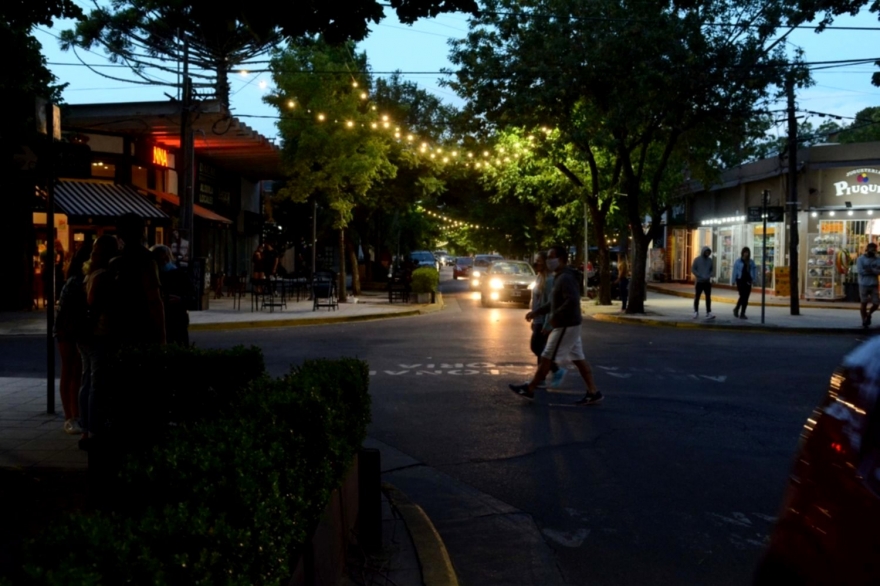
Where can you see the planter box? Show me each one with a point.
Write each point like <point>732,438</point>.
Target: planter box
<point>421,297</point>
<point>322,561</point>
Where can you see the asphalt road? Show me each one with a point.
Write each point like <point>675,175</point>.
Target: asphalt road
<point>675,479</point>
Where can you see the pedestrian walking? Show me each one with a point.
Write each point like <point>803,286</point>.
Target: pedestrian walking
<point>623,282</point>
<point>868,267</point>
<point>71,323</point>
<point>744,272</point>
<point>564,313</point>
<point>540,323</point>
<point>703,268</point>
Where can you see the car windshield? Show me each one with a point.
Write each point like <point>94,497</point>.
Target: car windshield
<point>511,268</point>
<point>465,261</point>
<point>422,257</point>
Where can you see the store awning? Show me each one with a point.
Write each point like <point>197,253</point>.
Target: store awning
<point>198,210</point>
<point>99,199</point>
<point>220,138</point>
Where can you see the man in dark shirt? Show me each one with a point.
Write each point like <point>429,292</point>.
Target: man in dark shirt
<point>564,311</point>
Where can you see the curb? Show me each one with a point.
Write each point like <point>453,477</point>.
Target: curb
<point>700,326</point>
<point>690,295</point>
<point>316,321</point>
<point>436,566</point>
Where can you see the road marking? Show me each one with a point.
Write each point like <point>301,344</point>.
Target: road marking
<point>491,369</point>
<point>619,375</point>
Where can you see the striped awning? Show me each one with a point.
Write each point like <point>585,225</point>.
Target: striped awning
<point>98,199</point>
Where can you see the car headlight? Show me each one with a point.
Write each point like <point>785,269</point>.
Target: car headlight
<point>476,273</point>
<point>532,285</point>
<point>496,284</point>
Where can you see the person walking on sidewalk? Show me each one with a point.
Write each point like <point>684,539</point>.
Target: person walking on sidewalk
<point>868,267</point>
<point>564,313</point>
<point>540,324</point>
<point>744,272</point>
<point>702,268</point>
<point>623,282</point>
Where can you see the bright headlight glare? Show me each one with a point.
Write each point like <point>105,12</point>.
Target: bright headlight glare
<point>476,273</point>
<point>496,284</point>
<point>532,285</point>
<point>475,282</point>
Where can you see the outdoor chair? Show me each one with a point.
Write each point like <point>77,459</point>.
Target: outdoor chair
<point>324,291</point>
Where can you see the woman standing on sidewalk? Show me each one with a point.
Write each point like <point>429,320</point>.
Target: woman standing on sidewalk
<point>99,293</point>
<point>745,272</point>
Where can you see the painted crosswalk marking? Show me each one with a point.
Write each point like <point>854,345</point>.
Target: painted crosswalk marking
<point>522,369</point>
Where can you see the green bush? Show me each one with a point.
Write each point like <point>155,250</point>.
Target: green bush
<point>225,499</point>
<point>425,280</point>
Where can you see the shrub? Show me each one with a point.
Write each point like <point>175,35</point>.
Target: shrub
<point>425,280</point>
<point>225,498</point>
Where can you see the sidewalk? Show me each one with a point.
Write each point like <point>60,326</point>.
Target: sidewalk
<point>221,315</point>
<point>672,305</point>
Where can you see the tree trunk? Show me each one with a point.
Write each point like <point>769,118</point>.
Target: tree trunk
<point>637,283</point>
<point>343,294</point>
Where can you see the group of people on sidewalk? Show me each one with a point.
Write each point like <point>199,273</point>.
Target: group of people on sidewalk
<point>117,293</point>
<point>745,274</point>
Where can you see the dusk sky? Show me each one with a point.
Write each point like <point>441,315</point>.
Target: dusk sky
<point>423,47</point>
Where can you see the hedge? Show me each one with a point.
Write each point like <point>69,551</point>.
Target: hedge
<point>225,497</point>
<point>425,280</point>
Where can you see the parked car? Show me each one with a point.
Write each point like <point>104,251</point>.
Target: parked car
<point>442,257</point>
<point>481,263</point>
<point>424,258</point>
<point>507,281</point>
<point>462,267</point>
<point>826,532</point>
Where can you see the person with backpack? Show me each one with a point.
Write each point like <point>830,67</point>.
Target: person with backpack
<point>97,339</point>
<point>71,324</point>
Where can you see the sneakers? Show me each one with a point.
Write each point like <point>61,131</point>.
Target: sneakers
<point>743,316</point>
<point>522,390</point>
<point>710,315</point>
<point>736,312</point>
<point>696,315</point>
<point>540,385</point>
<point>590,399</point>
<point>558,377</point>
<point>71,427</point>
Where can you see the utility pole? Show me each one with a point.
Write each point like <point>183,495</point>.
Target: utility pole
<point>53,133</point>
<point>765,197</point>
<point>793,238</point>
<point>186,163</point>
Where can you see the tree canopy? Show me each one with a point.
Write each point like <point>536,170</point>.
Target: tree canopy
<point>662,92</point>
<point>152,34</point>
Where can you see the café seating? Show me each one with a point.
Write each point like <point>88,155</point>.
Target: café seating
<point>324,293</point>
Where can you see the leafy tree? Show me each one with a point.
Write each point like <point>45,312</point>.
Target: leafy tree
<point>331,149</point>
<point>661,93</point>
<point>865,127</point>
<point>549,175</point>
<point>24,81</point>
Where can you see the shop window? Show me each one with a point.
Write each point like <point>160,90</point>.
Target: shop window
<point>103,169</point>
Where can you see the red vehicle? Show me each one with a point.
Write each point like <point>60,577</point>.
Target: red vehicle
<point>827,531</point>
<point>462,268</point>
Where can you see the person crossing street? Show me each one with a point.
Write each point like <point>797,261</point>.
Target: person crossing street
<point>565,316</point>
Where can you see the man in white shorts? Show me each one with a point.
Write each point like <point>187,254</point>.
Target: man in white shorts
<point>564,341</point>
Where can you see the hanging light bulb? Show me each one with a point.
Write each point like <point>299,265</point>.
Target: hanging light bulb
<point>291,104</point>
<point>243,72</point>
<point>354,84</point>
<point>363,95</point>
<point>349,123</point>
<point>321,117</point>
